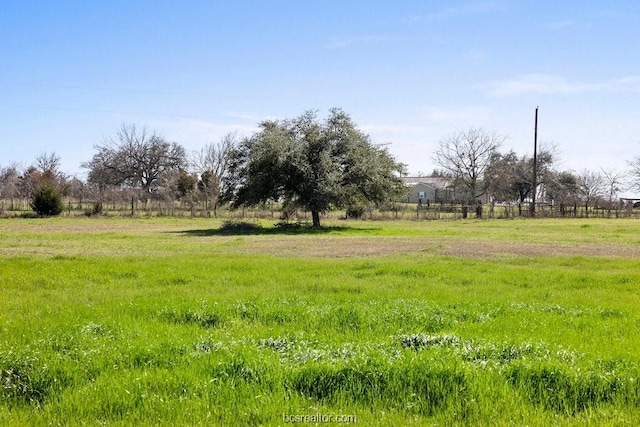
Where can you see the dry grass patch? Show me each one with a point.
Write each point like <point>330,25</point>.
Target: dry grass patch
<point>372,246</point>
<point>166,236</point>
<point>484,248</point>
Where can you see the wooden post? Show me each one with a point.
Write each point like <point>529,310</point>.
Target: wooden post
<point>535,166</point>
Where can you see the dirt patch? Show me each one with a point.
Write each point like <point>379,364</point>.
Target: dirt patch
<point>341,246</point>
<point>493,249</point>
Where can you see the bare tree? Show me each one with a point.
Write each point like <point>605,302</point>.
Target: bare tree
<point>466,155</point>
<point>135,158</point>
<point>211,163</point>
<point>47,171</point>
<point>614,181</point>
<point>10,183</point>
<point>634,172</point>
<point>48,163</point>
<point>78,190</point>
<point>591,186</point>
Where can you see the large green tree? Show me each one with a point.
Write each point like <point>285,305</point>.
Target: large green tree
<point>315,165</point>
<point>509,178</point>
<point>563,188</point>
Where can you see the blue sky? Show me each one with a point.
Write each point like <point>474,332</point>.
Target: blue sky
<point>410,73</point>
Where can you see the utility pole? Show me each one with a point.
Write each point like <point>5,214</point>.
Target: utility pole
<point>535,167</point>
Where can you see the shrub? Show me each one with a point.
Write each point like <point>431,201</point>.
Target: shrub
<point>356,210</point>
<point>47,201</point>
<point>96,210</point>
<point>292,226</point>
<point>240,227</point>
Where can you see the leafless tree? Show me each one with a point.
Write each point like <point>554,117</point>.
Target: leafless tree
<point>634,173</point>
<point>48,163</point>
<point>135,158</point>
<point>211,163</point>
<point>615,183</point>
<point>47,171</point>
<point>78,190</point>
<point>466,155</point>
<point>591,186</point>
<point>10,183</point>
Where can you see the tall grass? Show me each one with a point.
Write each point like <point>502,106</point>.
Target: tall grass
<point>167,322</point>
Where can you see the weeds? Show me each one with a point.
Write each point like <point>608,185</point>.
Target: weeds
<point>203,318</point>
<point>28,380</point>
<point>568,390</point>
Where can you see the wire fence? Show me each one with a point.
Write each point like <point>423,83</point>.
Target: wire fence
<point>21,207</point>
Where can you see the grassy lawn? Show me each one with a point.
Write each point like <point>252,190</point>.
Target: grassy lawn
<point>171,321</point>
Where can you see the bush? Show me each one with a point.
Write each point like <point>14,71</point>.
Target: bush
<point>240,227</point>
<point>356,210</point>
<point>47,201</point>
<point>96,211</point>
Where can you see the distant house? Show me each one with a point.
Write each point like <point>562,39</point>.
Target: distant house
<point>427,189</point>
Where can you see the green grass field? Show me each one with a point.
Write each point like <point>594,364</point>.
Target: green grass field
<point>173,322</point>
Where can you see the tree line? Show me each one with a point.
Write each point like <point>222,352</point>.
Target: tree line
<point>472,160</point>
<point>304,163</point>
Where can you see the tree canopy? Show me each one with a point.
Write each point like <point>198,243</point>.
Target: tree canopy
<point>314,165</point>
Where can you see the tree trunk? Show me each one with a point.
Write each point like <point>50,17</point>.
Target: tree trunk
<point>316,219</point>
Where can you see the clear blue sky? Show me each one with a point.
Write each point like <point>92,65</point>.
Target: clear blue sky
<point>409,72</point>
